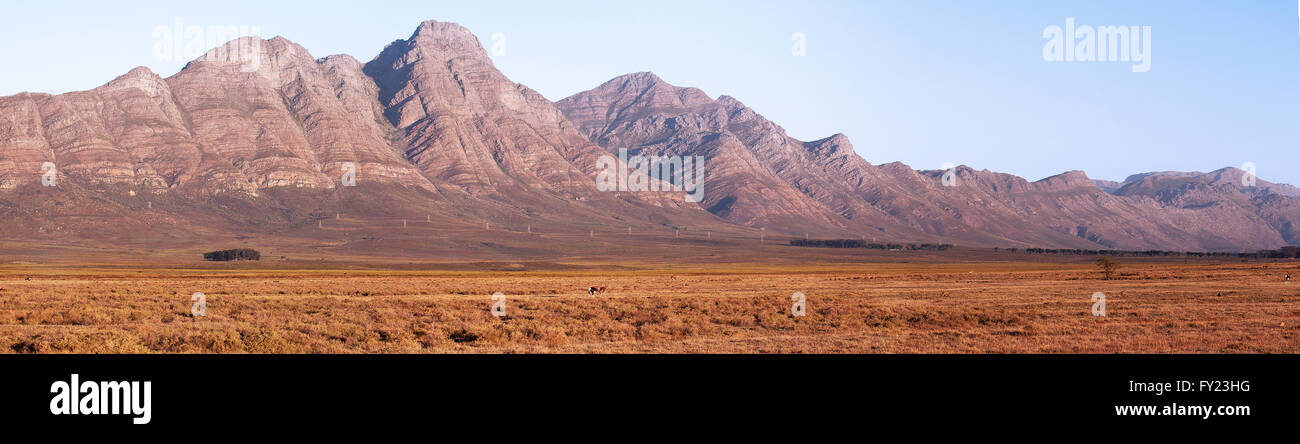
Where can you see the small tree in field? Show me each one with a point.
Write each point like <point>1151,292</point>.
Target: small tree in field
<point>1108,266</point>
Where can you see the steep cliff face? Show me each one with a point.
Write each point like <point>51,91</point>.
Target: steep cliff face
<point>293,122</point>
<point>466,123</point>
<point>462,122</point>
<point>213,128</point>
<point>101,136</point>
<point>22,136</point>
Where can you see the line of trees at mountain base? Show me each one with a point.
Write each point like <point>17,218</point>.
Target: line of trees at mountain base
<point>1288,252</point>
<point>854,243</point>
<point>238,254</point>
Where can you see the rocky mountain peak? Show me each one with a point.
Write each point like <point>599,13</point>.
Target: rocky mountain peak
<point>141,78</point>
<point>637,78</point>
<point>277,59</point>
<point>446,40</point>
<point>1067,180</point>
<point>731,103</point>
<point>645,90</point>
<point>833,146</point>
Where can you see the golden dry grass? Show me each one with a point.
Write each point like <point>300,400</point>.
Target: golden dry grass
<point>851,308</point>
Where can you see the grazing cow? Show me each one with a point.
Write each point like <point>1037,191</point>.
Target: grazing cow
<point>592,291</point>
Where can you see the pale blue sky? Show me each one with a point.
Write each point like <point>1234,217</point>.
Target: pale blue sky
<point>923,82</point>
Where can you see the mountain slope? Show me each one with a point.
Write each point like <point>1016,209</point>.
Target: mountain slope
<point>257,136</point>
<point>648,117</point>
<point>1222,200</point>
<point>825,183</point>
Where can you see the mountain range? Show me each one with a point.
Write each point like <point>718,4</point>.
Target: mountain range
<point>431,130</point>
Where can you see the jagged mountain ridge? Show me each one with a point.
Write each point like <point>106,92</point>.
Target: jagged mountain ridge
<point>434,129</point>
<point>429,127</point>
<point>825,181</point>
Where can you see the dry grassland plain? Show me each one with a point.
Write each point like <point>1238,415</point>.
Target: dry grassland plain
<point>1021,306</point>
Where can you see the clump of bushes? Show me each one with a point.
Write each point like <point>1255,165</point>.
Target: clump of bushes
<point>854,243</point>
<point>238,254</point>
<point>1287,252</point>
